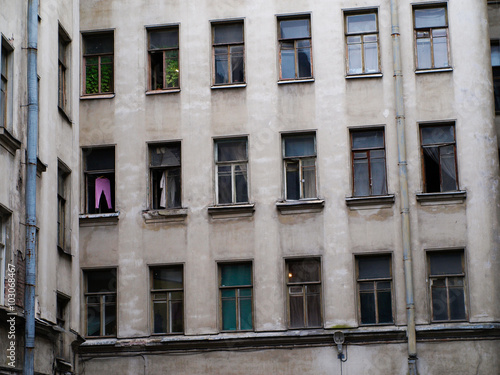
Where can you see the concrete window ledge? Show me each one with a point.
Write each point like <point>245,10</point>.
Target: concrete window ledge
<point>40,167</point>
<point>376,201</point>
<point>90,220</point>
<point>450,197</point>
<point>168,215</point>
<point>356,76</point>
<point>231,211</point>
<point>8,141</point>
<point>285,82</point>
<point>98,96</point>
<point>439,70</point>
<point>161,92</point>
<point>231,86</point>
<point>300,207</point>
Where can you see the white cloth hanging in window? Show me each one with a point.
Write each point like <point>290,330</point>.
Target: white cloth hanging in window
<point>163,187</point>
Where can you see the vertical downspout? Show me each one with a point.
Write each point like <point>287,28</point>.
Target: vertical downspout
<point>29,304</point>
<point>403,190</point>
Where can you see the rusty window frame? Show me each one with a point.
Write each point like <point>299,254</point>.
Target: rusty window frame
<point>446,277</point>
<point>102,297</point>
<point>362,35</point>
<point>99,56</point>
<point>368,158</point>
<point>174,145</point>
<point>164,51</point>
<point>168,299</point>
<point>439,146</point>
<point>430,36</point>
<point>229,54</point>
<point>295,47</point>
<point>375,281</point>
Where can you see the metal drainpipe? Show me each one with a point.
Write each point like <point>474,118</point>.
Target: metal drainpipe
<point>29,304</point>
<point>403,190</point>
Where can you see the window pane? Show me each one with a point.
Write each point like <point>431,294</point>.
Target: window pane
<point>304,62</point>
<point>173,182</point>
<point>374,267</point>
<point>106,75</point>
<point>302,145</point>
<point>309,178</point>
<point>160,318</point>
<point>432,17</point>
<point>231,150</point>
<point>354,56</point>
<point>241,183</point>
<point>378,175</point>
<point>165,155</point>
<point>246,313</point>
<point>361,178</point>
<point>296,311</point>
<point>439,304</point>
<point>287,64</point>
<point>167,278</point>
<point>294,29</point>
<point>168,38</point>
<point>371,57</point>
<point>440,52</point>
<point>424,53</point>
<point>224,184</point>
<point>91,76</point>
<point>446,263</point>
<point>367,307</point>
<point>110,319</point>
<point>177,312</point>
<point>101,281</point>
<point>172,68</point>
<point>221,65</point>
<point>96,44</point>
<point>93,320</point>
<point>384,307</point>
<point>303,270</point>
<point>236,274</point>
<point>438,134</point>
<point>229,314</point>
<point>367,139</point>
<point>228,33</point>
<point>237,64</point>
<point>362,23</point>
<point>448,171</point>
<point>313,310</point>
<point>292,181</point>
<point>457,303</point>
<point>495,54</point>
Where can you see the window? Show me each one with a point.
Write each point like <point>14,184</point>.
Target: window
<point>61,305</point>
<point>299,156</point>
<point>98,63</point>
<point>167,299</point>
<point>163,48</point>
<point>3,255</point>
<point>294,36</point>
<point>304,293</point>
<point>495,63</point>
<point>165,174</point>
<point>438,158</point>
<point>62,207</point>
<point>374,275</point>
<point>235,287</point>
<point>99,172</point>
<point>361,37</point>
<point>100,302</point>
<point>5,75</point>
<point>228,52</point>
<point>63,65</point>
<point>368,163</point>
<point>231,159</point>
<point>447,285</point>
<point>431,37</point>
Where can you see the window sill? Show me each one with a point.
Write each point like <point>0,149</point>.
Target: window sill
<point>97,96</point>
<point>363,75</point>
<point>229,86</point>
<point>40,167</point>
<point>373,201</point>
<point>440,70</point>
<point>166,215</point>
<point>305,80</point>
<point>450,197</point>
<point>300,207</point>
<point>231,211</point>
<point>64,114</point>
<point>161,92</point>
<point>8,141</point>
<point>89,220</point>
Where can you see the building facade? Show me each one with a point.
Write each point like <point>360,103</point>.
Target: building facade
<point>57,291</point>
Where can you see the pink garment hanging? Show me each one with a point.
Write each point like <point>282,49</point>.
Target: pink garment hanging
<point>102,185</point>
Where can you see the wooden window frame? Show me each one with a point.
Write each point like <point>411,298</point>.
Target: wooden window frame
<point>375,281</point>
<point>164,52</point>
<point>99,64</point>
<point>6,53</point>
<point>85,154</point>
<point>63,69</point>
<point>431,37</point>
<point>237,298</point>
<point>362,43</point>
<point>152,169</point>
<point>295,47</point>
<point>439,145</point>
<point>168,300</point>
<point>305,293</point>
<point>63,218</point>
<point>102,304</point>
<point>431,278</point>
<point>228,45</point>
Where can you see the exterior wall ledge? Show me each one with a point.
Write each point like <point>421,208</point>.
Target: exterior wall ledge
<point>439,70</point>
<point>300,207</point>
<point>160,92</point>
<point>371,75</point>
<point>449,197</point>
<point>8,141</point>
<point>232,86</point>
<point>97,96</point>
<point>40,167</point>
<point>165,215</point>
<point>65,114</point>
<point>375,201</point>
<point>231,211</point>
<point>306,80</point>
<point>89,220</point>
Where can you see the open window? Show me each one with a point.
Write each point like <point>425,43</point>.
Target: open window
<point>167,299</point>
<point>165,175</point>
<point>99,171</point>
<point>163,50</point>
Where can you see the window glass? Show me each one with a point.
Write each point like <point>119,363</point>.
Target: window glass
<point>299,146</point>
<point>228,33</point>
<point>431,17</point>
<point>446,263</point>
<point>374,267</point>
<point>294,29</point>
<point>367,139</point>
<point>101,281</point>
<point>438,134</point>
<point>166,38</point>
<point>231,150</point>
<point>495,54</point>
<point>236,274</point>
<point>97,44</point>
<point>362,23</point>
<point>167,278</point>
<point>303,271</point>
<point>165,156</point>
